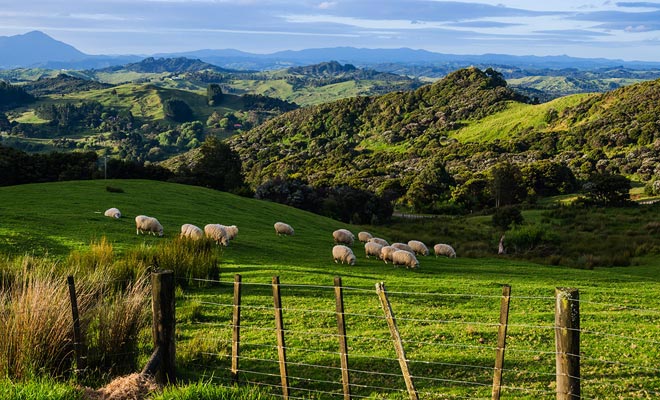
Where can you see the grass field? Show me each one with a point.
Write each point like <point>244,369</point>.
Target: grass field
<point>447,310</point>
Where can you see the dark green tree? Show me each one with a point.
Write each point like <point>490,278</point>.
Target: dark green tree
<point>219,167</point>
<point>506,216</point>
<point>429,187</point>
<point>608,189</point>
<point>213,94</point>
<point>177,110</point>
<point>506,184</point>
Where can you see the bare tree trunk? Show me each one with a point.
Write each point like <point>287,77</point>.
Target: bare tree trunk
<point>500,249</point>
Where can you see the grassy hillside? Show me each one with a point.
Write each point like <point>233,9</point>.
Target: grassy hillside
<point>450,329</point>
<point>517,118</point>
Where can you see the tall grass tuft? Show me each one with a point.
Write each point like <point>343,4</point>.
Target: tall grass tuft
<point>189,259</point>
<point>36,325</point>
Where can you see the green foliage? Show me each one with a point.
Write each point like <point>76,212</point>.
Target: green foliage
<point>213,94</point>
<point>506,216</point>
<point>525,238</point>
<point>217,167</point>
<point>506,184</point>
<point>609,190</point>
<point>13,96</point>
<point>177,110</point>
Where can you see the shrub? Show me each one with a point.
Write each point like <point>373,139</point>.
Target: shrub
<point>525,238</point>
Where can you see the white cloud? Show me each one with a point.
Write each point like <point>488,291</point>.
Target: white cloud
<point>327,5</point>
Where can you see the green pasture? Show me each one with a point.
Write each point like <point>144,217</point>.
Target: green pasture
<point>513,120</point>
<point>447,309</point>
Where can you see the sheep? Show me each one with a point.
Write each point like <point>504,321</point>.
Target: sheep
<point>283,229</point>
<point>403,246</point>
<point>372,249</point>
<point>418,247</point>
<point>191,231</point>
<point>112,212</point>
<point>386,253</point>
<point>343,236</point>
<point>344,254</point>
<point>403,257</point>
<point>442,249</point>
<point>364,236</point>
<point>144,224</point>
<point>232,232</point>
<point>380,241</point>
<point>217,232</point>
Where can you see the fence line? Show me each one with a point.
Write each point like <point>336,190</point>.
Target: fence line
<point>413,343</point>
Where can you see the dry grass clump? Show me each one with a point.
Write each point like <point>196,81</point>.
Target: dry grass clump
<point>130,387</point>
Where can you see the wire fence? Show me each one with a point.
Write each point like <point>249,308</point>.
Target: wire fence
<point>450,342</point>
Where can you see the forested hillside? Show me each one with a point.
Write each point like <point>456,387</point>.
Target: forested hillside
<point>409,143</point>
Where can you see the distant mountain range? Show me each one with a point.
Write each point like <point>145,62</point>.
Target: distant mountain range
<point>36,49</point>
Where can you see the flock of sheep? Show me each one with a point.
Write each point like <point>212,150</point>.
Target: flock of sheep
<point>220,234</point>
<point>397,253</point>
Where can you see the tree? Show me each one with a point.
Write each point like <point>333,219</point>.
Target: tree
<point>504,217</point>
<point>506,184</point>
<point>429,187</point>
<point>608,190</point>
<point>213,94</point>
<point>219,167</point>
<point>177,110</point>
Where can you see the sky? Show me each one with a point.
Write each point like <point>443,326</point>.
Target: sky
<point>581,28</point>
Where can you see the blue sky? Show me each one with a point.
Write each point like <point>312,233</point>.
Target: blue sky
<point>581,28</point>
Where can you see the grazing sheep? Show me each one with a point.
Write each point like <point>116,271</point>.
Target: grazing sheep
<point>191,231</point>
<point>403,257</point>
<point>344,254</point>
<point>283,229</point>
<point>232,232</point>
<point>419,248</point>
<point>442,249</point>
<point>372,249</point>
<point>112,212</point>
<point>403,246</point>
<point>386,253</point>
<point>380,241</point>
<point>364,236</point>
<point>343,236</point>
<point>217,232</point>
<point>144,224</point>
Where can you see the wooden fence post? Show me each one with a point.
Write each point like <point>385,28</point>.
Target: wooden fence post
<point>78,339</point>
<point>567,339</point>
<point>343,346</point>
<point>396,337</point>
<point>501,342</point>
<point>236,324</point>
<point>281,347</point>
<point>164,325</point>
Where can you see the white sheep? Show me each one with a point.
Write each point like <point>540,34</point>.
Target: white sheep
<point>232,232</point>
<point>144,224</point>
<point>191,231</point>
<point>372,249</point>
<point>386,253</point>
<point>283,229</point>
<point>112,212</point>
<point>403,257</point>
<point>364,236</point>
<point>418,247</point>
<point>217,232</point>
<point>343,236</point>
<point>403,246</point>
<point>442,249</point>
<point>344,254</point>
<point>380,241</point>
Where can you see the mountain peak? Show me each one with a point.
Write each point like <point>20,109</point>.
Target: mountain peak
<point>35,48</point>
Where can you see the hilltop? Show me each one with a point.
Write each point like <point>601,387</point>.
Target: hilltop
<point>467,122</point>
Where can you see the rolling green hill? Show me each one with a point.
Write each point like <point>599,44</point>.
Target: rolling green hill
<point>468,122</point>
<point>447,310</point>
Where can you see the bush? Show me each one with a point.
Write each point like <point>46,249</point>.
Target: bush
<point>525,238</point>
